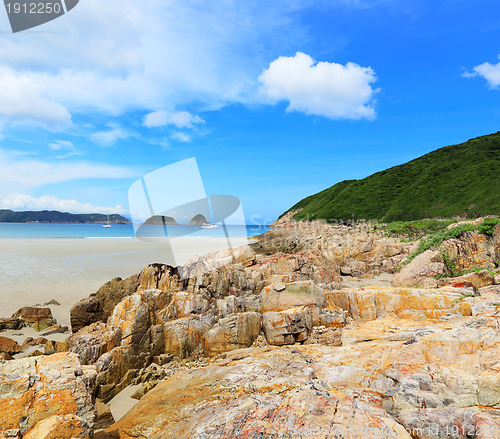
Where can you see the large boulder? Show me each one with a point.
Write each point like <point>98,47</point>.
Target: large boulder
<point>86,312</point>
<point>185,336</point>
<point>122,347</point>
<point>198,265</point>
<point>287,327</point>
<point>9,324</point>
<point>374,302</point>
<point>183,304</point>
<point>60,427</point>
<point>234,332</point>
<point>479,279</point>
<point>35,389</point>
<point>99,306</point>
<point>421,271</point>
<point>320,268</point>
<point>38,318</point>
<point>473,250</point>
<point>9,346</point>
<point>117,368</point>
<point>280,297</point>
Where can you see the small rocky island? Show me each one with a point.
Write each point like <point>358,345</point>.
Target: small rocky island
<point>315,330</point>
<point>197,220</point>
<point>160,220</point>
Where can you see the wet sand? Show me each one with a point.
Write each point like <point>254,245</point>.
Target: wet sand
<point>34,271</point>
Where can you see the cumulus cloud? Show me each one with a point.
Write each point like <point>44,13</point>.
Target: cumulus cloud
<point>48,202</point>
<point>140,56</point>
<point>112,135</point>
<point>490,72</point>
<point>179,119</point>
<point>26,101</point>
<point>32,172</point>
<point>325,89</point>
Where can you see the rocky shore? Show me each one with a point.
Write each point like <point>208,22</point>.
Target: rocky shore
<point>315,330</point>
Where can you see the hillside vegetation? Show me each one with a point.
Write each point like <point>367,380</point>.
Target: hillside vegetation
<point>53,216</point>
<point>457,180</point>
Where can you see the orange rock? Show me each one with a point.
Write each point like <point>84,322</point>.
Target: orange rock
<point>268,392</point>
<point>428,264</point>
<point>234,332</point>
<point>372,302</point>
<point>9,346</point>
<point>59,427</point>
<point>281,297</point>
<point>470,280</point>
<point>287,327</point>
<point>471,250</point>
<point>34,389</point>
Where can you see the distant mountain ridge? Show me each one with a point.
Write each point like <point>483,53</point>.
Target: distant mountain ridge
<point>457,180</point>
<point>54,216</point>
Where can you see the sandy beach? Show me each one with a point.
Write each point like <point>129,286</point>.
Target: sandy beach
<point>34,271</point>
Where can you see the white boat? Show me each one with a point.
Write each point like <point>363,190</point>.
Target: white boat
<point>209,226</point>
<point>107,225</point>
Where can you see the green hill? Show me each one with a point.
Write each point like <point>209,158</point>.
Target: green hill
<point>455,180</point>
<point>53,216</point>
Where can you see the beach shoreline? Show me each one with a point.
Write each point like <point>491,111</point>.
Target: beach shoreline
<point>36,270</point>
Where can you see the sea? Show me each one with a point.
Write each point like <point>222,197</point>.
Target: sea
<point>42,230</point>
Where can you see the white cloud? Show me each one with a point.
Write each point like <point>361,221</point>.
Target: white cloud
<point>180,119</point>
<point>111,136</point>
<point>65,148</point>
<point>320,88</point>
<point>147,56</point>
<point>58,145</point>
<point>48,202</point>
<point>26,100</point>
<point>490,72</point>
<point>30,172</point>
<point>181,137</point>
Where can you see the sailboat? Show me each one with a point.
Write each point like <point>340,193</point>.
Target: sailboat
<point>107,225</point>
<point>209,226</point>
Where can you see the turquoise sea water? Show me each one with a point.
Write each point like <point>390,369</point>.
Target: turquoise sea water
<point>38,230</point>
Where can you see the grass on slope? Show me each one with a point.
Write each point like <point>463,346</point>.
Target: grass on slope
<point>434,232</point>
<point>413,230</point>
<point>455,180</point>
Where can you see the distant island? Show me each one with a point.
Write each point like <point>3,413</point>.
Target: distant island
<point>54,216</point>
<point>198,220</point>
<point>159,220</point>
<point>454,181</point>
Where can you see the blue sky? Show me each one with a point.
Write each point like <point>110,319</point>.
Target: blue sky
<point>276,100</point>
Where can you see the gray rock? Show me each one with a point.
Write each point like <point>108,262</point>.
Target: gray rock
<point>427,265</point>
